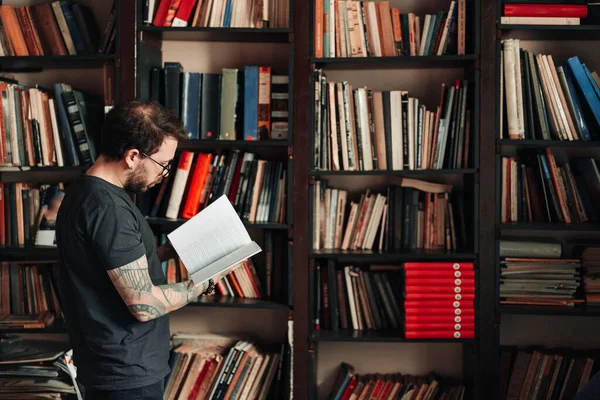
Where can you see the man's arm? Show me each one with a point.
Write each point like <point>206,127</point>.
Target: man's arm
<point>146,301</point>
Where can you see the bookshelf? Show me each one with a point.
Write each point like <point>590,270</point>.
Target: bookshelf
<point>91,71</point>
<point>525,326</point>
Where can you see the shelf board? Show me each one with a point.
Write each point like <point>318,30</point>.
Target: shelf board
<point>380,335</point>
<point>56,327</point>
<point>237,302</point>
<point>390,256</point>
<point>542,226</point>
<point>514,27</point>
<point>20,170</point>
<point>548,143</point>
<point>421,172</point>
<point>170,224</point>
<point>29,252</point>
<point>581,311</point>
<point>27,63</point>
<point>409,61</point>
<point>269,35</point>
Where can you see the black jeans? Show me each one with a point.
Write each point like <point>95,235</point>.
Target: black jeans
<point>151,392</point>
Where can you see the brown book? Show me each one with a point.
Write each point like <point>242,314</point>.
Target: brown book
<point>386,37</point>
<point>342,298</point>
<point>45,21</point>
<point>27,125</point>
<point>13,29</point>
<point>28,31</point>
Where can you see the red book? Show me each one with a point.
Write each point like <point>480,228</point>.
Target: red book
<point>349,388</point>
<point>443,334</point>
<point>438,266</point>
<point>438,289</point>
<point>462,282</point>
<point>447,273</point>
<point>429,319</point>
<point>439,310</point>
<point>545,10</point>
<point>439,326</point>
<point>439,296</point>
<point>439,303</point>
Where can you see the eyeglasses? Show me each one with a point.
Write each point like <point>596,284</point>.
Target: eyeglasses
<point>166,168</point>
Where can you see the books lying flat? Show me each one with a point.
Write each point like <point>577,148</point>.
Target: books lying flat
<point>213,242</point>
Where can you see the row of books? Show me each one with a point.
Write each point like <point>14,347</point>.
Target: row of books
<point>248,104</point>
<point>36,369</point>
<point>590,262</point>
<point>217,13</point>
<point>364,129</point>
<point>439,300</point>
<point>426,300</point>
<point>535,188</point>
<point>257,188</point>
<point>358,299</point>
<point>28,213</point>
<point>542,101</point>
<point>557,13</point>
<point>221,367</point>
<point>349,384</point>
<point>28,297</point>
<point>538,373</point>
<point>541,281</point>
<point>375,29</point>
<point>48,127</point>
<point>54,28</point>
<point>414,215</point>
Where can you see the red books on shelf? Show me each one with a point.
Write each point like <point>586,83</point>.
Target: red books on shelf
<point>439,300</point>
<point>545,10</point>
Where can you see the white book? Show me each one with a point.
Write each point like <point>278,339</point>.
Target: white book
<point>213,242</point>
<point>540,20</point>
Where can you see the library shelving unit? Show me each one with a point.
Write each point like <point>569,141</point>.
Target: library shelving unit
<point>547,39</point>
<point>421,76</point>
<point>98,74</point>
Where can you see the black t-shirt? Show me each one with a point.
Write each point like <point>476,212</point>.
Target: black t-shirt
<point>99,229</point>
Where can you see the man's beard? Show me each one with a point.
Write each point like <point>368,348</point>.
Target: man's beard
<point>136,181</point>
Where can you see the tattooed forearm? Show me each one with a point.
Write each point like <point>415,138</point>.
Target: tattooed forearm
<point>146,301</point>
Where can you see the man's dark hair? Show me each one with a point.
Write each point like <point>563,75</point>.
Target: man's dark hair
<point>138,125</point>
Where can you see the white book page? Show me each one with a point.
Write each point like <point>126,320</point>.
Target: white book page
<point>209,236</point>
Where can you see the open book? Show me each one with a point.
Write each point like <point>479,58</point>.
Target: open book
<point>213,242</point>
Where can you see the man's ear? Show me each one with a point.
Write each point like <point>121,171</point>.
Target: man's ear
<point>131,158</point>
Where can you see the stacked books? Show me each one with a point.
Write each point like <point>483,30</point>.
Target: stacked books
<point>590,261</point>
<point>213,367</point>
<point>40,127</point>
<point>350,385</point>
<point>546,102</point>
<point>28,295</point>
<point>243,104</point>
<point>414,215</point>
<point>535,188</point>
<point>544,373</point>
<point>256,188</point>
<point>217,13</point>
<point>544,12</point>
<point>56,28</point>
<point>36,370</point>
<point>540,282</point>
<point>375,29</point>
<point>355,298</point>
<point>359,129</point>
<point>439,300</point>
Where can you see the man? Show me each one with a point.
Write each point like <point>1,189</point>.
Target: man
<point>114,294</point>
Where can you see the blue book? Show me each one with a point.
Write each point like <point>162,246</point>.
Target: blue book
<point>190,102</point>
<point>588,92</point>
<point>66,136</point>
<point>67,10</point>
<point>251,103</point>
<point>578,115</point>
